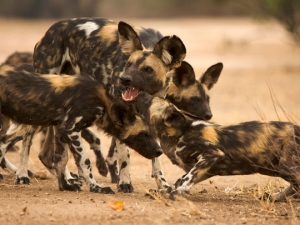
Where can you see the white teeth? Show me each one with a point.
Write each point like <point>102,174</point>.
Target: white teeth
<point>133,88</point>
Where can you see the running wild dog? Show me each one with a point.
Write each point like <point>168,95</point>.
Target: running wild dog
<point>102,48</point>
<point>51,100</point>
<point>204,149</point>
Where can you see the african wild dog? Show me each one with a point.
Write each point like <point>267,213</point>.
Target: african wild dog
<point>21,174</point>
<point>100,48</point>
<point>51,100</point>
<point>205,149</point>
<point>186,93</point>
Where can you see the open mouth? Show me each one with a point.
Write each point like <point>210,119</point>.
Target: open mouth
<point>130,94</point>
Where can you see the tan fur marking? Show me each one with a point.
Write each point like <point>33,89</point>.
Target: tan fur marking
<point>59,83</point>
<point>157,65</point>
<point>5,68</point>
<point>137,127</point>
<point>209,133</point>
<point>157,108</point>
<point>183,92</point>
<point>108,33</point>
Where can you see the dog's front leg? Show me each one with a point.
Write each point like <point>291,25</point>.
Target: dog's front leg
<point>112,161</point>
<point>94,141</point>
<point>205,161</point>
<point>83,163</point>
<point>158,175</point>
<point>124,183</point>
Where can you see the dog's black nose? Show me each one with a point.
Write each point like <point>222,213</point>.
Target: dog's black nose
<point>159,152</point>
<point>125,80</point>
<point>208,116</point>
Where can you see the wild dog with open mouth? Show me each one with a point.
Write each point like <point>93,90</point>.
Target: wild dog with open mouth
<point>204,149</point>
<point>186,93</point>
<point>70,104</point>
<point>100,48</point>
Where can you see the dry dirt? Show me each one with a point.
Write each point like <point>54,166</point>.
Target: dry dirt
<point>257,58</point>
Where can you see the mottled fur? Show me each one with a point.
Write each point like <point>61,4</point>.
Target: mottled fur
<point>52,100</point>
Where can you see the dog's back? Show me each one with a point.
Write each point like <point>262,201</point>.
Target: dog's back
<point>91,45</point>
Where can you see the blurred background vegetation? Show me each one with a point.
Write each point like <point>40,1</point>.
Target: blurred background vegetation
<point>286,12</point>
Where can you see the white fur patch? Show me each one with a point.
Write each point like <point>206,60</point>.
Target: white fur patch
<point>166,57</point>
<point>198,122</point>
<point>88,27</point>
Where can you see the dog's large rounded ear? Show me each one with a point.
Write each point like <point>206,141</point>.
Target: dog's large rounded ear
<point>122,114</point>
<point>173,118</point>
<point>171,50</point>
<point>128,39</point>
<point>184,75</point>
<point>211,75</point>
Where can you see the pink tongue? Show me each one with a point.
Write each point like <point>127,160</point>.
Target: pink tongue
<point>130,94</point>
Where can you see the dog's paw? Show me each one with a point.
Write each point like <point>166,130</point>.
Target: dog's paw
<point>75,180</point>
<point>173,194</point>
<point>102,190</point>
<point>71,187</point>
<point>125,188</point>
<point>22,180</point>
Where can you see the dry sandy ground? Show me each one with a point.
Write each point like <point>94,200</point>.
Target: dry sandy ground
<point>257,58</point>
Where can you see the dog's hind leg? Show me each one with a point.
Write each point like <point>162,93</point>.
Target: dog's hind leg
<point>53,156</point>
<point>94,141</point>
<point>112,161</point>
<point>83,163</point>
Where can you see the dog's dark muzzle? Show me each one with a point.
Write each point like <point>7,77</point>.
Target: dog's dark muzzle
<point>126,80</point>
<point>145,145</point>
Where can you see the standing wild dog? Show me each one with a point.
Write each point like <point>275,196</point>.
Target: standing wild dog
<point>25,97</point>
<point>22,177</point>
<point>100,48</point>
<point>205,149</point>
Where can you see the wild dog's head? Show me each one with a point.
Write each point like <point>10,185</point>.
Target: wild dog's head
<point>147,69</point>
<point>191,95</point>
<point>164,118</point>
<point>134,130</point>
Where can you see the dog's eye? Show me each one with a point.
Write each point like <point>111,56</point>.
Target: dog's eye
<point>129,64</point>
<point>148,69</point>
<point>196,99</point>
